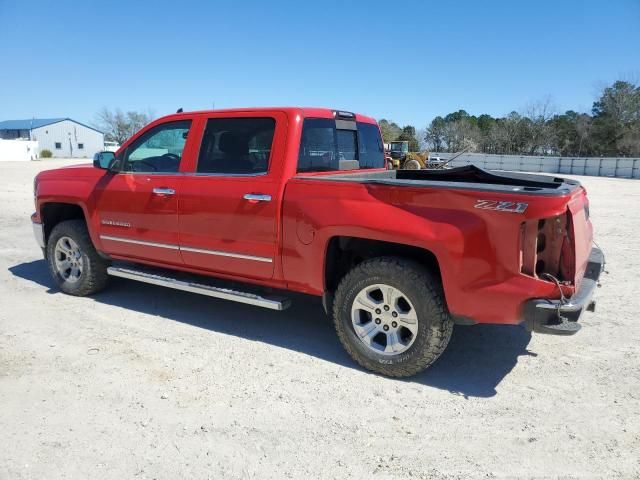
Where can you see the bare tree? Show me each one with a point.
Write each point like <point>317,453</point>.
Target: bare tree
<point>460,135</point>
<point>119,126</point>
<point>538,130</point>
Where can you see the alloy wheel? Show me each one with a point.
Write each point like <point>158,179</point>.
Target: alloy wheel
<point>68,259</point>
<point>384,319</point>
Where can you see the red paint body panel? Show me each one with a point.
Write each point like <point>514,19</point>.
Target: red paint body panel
<point>220,219</point>
<point>214,216</point>
<point>478,251</point>
<point>129,199</point>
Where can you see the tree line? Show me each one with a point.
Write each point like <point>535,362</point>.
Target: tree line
<point>118,126</point>
<point>612,128</point>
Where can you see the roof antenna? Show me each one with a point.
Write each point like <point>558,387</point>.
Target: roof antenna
<point>179,110</point>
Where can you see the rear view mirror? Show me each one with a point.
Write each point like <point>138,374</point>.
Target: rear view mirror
<point>104,160</point>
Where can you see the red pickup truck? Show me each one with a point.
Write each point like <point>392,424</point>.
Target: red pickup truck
<point>299,199</point>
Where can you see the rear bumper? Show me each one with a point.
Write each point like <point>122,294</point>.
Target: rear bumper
<point>555,318</point>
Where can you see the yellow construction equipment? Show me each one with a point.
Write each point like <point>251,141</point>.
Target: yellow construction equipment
<point>399,157</point>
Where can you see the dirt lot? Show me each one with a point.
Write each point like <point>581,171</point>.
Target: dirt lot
<point>145,382</point>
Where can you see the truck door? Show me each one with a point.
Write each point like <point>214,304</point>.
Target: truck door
<point>230,204</point>
<point>138,206</point>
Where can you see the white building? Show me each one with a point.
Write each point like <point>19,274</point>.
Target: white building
<point>62,136</point>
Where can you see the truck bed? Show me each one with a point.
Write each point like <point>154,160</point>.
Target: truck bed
<point>468,178</point>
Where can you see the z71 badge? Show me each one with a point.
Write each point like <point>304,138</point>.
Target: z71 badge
<point>513,207</point>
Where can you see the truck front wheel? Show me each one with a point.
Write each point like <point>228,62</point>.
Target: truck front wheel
<point>391,317</point>
<point>73,261</point>
<point>411,164</point>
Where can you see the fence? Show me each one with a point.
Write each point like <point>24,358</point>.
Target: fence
<point>18,150</point>
<point>595,166</point>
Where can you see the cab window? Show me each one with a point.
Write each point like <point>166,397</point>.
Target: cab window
<point>370,146</point>
<point>323,147</point>
<point>236,146</point>
<point>159,150</point>
<point>318,150</point>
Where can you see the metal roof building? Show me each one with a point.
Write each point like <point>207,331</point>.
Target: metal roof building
<point>64,137</point>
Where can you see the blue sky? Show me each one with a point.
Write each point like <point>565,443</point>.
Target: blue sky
<point>408,61</point>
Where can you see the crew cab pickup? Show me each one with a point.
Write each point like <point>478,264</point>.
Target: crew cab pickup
<point>250,204</point>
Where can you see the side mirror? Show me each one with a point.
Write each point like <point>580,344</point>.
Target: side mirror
<point>104,160</point>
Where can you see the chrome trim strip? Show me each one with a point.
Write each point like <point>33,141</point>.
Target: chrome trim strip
<point>187,249</point>
<point>164,174</point>
<point>226,254</point>
<point>139,242</point>
<point>197,174</point>
<point>38,232</point>
<point>210,291</point>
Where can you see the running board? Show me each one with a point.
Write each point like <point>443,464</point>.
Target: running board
<point>210,291</point>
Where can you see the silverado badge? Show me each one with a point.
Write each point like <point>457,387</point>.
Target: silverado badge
<point>115,223</point>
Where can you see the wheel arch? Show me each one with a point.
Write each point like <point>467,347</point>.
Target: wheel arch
<point>52,213</point>
<point>345,252</point>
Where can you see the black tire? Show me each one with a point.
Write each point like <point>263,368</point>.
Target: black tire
<point>94,268</point>
<point>411,164</point>
<point>425,293</point>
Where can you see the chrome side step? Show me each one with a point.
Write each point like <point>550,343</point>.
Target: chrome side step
<point>211,291</point>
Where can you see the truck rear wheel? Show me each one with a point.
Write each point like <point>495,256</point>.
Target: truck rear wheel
<point>391,317</point>
<point>73,261</point>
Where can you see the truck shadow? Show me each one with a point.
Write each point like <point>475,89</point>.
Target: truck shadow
<point>475,362</point>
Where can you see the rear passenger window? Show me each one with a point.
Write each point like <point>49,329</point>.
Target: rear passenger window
<point>239,146</point>
<point>318,146</point>
<point>323,147</point>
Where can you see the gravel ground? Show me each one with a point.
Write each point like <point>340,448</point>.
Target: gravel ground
<point>145,382</point>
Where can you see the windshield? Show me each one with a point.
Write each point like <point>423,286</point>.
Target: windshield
<point>399,147</point>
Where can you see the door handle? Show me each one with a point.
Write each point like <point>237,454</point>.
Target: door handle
<point>164,191</point>
<point>257,197</point>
